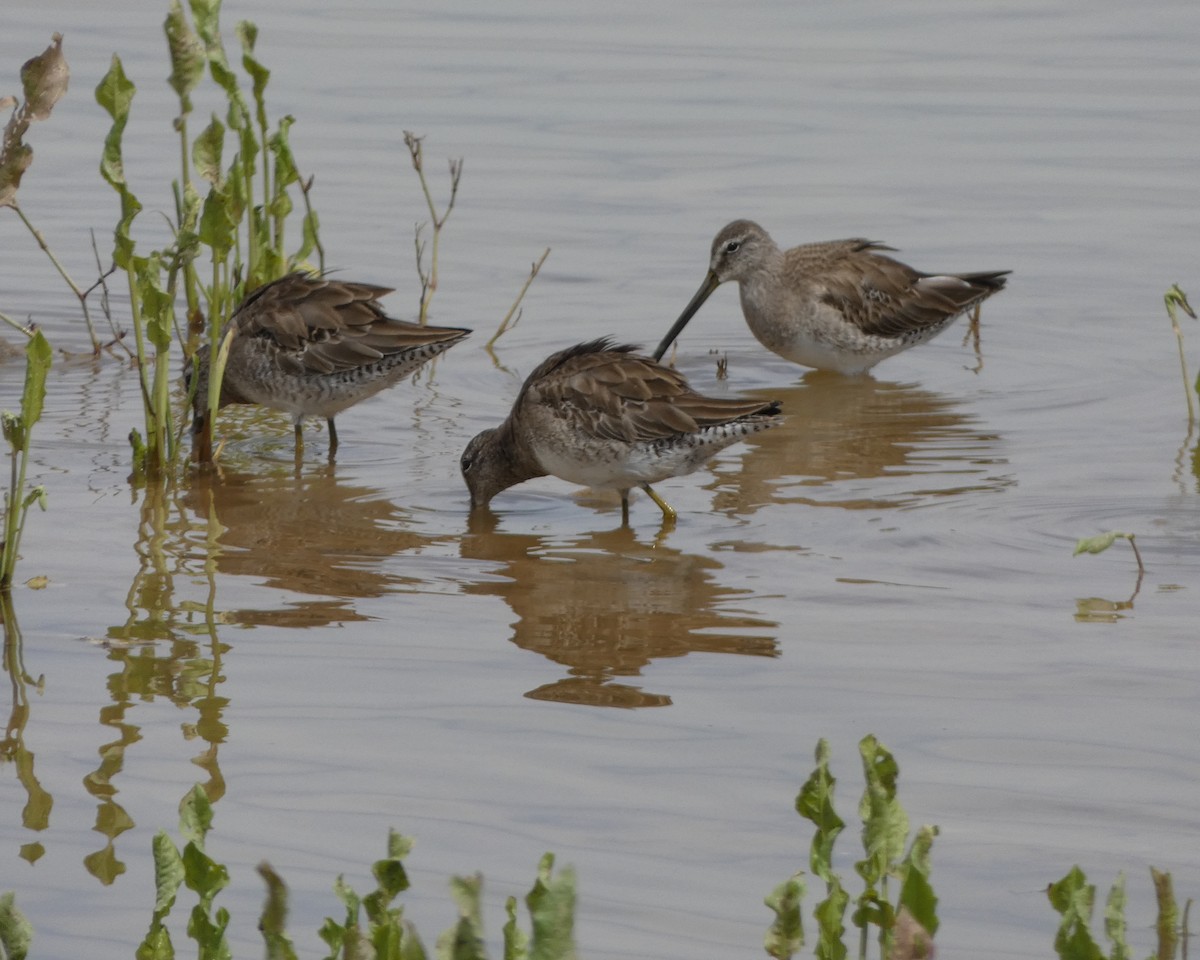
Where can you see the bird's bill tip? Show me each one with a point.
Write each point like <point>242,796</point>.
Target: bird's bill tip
<point>711,282</point>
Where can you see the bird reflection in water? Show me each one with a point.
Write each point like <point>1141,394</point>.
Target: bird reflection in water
<point>310,534</point>
<point>911,444</point>
<point>607,604</point>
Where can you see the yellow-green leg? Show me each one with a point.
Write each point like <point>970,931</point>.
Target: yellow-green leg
<point>666,508</point>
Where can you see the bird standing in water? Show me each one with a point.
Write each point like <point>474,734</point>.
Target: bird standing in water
<point>600,415</point>
<point>840,305</point>
<point>311,346</point>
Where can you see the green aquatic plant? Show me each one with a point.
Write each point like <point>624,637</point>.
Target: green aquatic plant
<point>1093,609</point>
<point>1073,898</point>
<point>17,430</point>
<point>374,926</point>
<point>371,925</point>
<point>1175,299</point>
<point>240,221</point>
<point>904,927</point>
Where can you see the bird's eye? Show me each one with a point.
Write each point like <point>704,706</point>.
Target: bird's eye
<point>466,463</point>
<point>733,246</point>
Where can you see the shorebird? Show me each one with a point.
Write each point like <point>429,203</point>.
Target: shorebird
<point>840,305</point>
<point>600,415</point>
<point>311,346</point>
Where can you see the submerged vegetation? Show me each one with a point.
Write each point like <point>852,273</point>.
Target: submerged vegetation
<point>373,926</point>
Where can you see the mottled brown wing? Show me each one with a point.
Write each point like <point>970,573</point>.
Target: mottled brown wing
<point>328,325</point>
<point>612,393</point>
<point>886,298</point>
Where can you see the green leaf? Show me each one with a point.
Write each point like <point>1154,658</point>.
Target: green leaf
<point>516,943</point>
<point>885,824</point>
<point>815,803</point>
<point>785,936</point>
<point>158,307</point>
<point>168,875</point>
<point>115,94</point>
<point>38,357</point>
<point>206,13</point>
<point>207,149</point>
<point>16,932</point>
<point>247,33</point>
<point>14,430</point>
<point>273,921</point>
<point>411,947</point>
<point>389,873</point>
<point>195,816</point>
<point>916,892</point>
<point>203,874</point>
<point>285,162</point>
<point>209,933</point>
<point>551,905</point>
<point>1098,543</point>
<point>217,223</point>
<point>1073,897</point>
<point>1114,920</point>
<point>464,941</point>
<point>187,56</point>
<point>830,915</point>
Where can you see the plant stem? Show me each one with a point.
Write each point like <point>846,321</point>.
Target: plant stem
<point>505,324</point>
<point>1173,298</point>
<point>41,241</point>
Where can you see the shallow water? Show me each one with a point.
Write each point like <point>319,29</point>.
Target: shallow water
<point>896,559</point>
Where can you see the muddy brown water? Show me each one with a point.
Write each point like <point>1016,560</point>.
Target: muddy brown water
<point>896,559</point>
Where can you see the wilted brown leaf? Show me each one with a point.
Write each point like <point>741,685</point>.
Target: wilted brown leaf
<point>910,940</point>
<point>45,79</point>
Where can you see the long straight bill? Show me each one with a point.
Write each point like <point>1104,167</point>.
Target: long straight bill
<point>706,288</point>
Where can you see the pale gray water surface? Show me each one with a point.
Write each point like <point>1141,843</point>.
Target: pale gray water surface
<point>896,559</point>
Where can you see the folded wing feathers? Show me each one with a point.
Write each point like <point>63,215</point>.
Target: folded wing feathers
<point>616,395</point>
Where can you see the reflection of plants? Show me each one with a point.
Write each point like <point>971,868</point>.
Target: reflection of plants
<point>386,935</point>
<point>36,814</point>
<point>373,928</point>
<point>159,655</point>
<point>1073,898</point>
<point>1094,609</point>
<point>17,428</point>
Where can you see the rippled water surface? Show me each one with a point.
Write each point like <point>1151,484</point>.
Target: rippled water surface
<point>895,559</point>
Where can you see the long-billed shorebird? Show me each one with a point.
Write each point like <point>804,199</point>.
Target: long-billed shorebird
<point>600,415</point>
<point>311,346</point>
<point>840,305</point>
